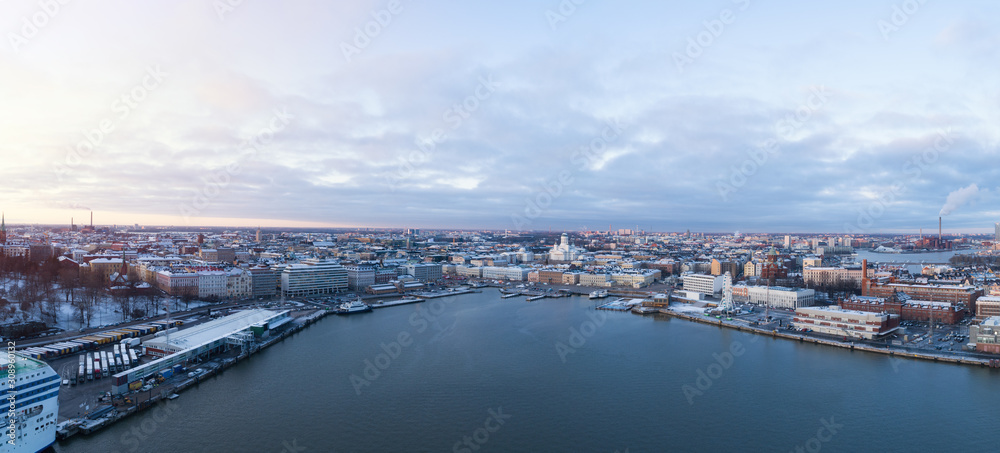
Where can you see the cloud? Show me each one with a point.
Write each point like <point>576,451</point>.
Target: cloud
<point>962,197</point>
<point>355,122</point>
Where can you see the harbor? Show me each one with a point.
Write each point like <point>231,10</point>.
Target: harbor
<point>330,352</point>
<point>85,408</point>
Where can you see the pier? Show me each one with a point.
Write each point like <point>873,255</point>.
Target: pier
<point>396,303</point>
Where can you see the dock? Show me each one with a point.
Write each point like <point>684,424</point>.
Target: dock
<point>396,303</point>
<point>167,393</point>
<point>620,305</point>
<point>437,294</point>
<point>892,352</point>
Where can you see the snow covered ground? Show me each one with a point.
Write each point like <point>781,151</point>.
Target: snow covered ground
<point>105,314</point>
<point>105,311</point>
<point>687,308</point>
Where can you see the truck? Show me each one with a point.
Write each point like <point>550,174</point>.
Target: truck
<point>81,374</point>
<point>105,366</point>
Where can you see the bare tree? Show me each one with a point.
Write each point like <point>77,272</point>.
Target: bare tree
<point>92,286</point>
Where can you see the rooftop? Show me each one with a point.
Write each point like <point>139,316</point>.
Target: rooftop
<point>992,321</point>
<point>213,330</point>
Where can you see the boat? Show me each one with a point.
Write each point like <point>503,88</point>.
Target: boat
<point>34,404</point>
<point>599,294</point>
<point>353,307</point>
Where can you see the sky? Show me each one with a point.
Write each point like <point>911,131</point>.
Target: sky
<point>725,115</point>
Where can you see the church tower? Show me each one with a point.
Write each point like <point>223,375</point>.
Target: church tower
<point>3,228</point>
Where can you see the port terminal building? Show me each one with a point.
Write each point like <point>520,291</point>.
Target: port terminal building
<point>241,329</point>
<point>847,323</point>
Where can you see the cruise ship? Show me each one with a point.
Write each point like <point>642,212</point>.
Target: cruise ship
<point>35,399</point>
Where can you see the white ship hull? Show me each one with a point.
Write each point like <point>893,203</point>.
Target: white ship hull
<point>36,401</point>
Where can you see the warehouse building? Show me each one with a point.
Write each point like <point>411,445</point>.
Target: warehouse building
<point>236,330</point>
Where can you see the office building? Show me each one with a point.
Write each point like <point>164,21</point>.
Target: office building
<point>313,277</point>
<point>701,283</point>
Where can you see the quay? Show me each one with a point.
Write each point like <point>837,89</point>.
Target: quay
<point>534,294</point>
<point>437,294</point>
<point>423,297</point>
<point>890,351</point>
<point>118,407</point>
<point>396,303</point>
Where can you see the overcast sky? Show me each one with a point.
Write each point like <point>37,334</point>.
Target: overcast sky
<point>711,116</point>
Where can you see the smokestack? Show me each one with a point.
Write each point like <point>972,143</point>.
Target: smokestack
<point>864,277</point>
<point>940,237</point>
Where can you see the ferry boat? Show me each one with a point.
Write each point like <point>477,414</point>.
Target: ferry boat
<point>34,398</point>
<point>353,307</point>
<point>599,294</point>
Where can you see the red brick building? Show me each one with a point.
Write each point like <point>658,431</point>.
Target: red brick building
<point>955,294</point>
<point>907,309</point>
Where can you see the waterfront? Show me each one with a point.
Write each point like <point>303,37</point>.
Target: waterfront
<point>618,382</point>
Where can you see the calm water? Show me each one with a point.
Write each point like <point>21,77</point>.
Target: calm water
<point>622,388</point>
<point>916,260</point>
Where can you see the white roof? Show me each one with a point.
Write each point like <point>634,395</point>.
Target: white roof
<point>214,330</point>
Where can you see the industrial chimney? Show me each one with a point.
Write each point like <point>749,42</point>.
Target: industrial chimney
<point>940,237</point>
<point>864,277</point>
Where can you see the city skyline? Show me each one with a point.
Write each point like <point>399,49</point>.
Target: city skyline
<point>861,117</point>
